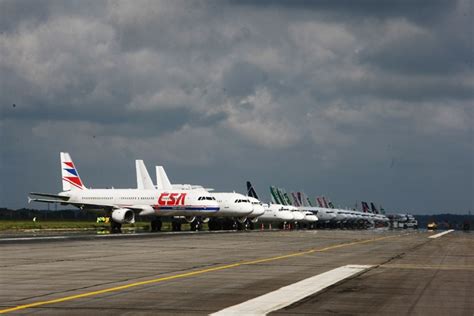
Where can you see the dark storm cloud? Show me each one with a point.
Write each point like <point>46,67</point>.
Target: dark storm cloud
<point>16,13</point>
<point>421,9</point>
<point>351,99</point>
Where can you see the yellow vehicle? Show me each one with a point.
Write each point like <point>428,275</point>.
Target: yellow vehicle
<point>103,219</point>
<point>432,226</point>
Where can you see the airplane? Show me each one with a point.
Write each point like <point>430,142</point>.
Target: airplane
<point>122,205</point>
<point>234,208</point>
<point>303,203</point>
<point>258,209</point>
<point>273,212</point>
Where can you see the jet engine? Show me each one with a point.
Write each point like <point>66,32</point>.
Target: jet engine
<point>123,216</point>
<point>205,220</point>
<point>190,219</point>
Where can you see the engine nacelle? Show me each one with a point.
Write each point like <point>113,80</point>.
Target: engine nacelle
<point>123,216</point>
<point>205,219</point>
<point>241,220</point>
<point>190,219</point>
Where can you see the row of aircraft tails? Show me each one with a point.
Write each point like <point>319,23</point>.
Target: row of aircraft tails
<point>195,204</point>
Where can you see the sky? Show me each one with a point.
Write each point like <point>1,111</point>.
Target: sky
<point>354,100</point>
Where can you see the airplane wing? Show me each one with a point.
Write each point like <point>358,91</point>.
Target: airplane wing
<point>53,198</point>
<point>48,195</point>
<point>64,200</point>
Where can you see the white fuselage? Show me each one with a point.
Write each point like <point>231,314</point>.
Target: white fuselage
<point>258,209</point>
<point>274,214</point>
<point>148,202</point>
<point>297,215</point>
<point>323,214</point>
<point>233,204</point>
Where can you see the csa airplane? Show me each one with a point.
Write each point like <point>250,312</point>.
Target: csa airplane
<point>122,205</point>
<point>234,207</point>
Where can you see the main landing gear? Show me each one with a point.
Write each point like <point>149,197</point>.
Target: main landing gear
<point>196,225</point>
<point>115,228</point>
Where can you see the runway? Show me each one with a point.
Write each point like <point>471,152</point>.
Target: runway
<point>203,273</point>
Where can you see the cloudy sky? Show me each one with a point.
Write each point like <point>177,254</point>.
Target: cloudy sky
<point>367,100</point>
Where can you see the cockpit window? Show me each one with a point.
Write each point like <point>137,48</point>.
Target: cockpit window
<point>207,198</point>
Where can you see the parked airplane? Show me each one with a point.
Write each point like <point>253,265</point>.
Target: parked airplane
<point>273,212</point>
<point>122,205</point>
<point>235,208</point>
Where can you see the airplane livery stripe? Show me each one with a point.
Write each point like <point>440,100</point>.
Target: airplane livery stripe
<point>74,181</point>
<point>71,171</point>
<point>193,208</point>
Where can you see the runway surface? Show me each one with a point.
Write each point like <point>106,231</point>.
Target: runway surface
<point>399,272</point>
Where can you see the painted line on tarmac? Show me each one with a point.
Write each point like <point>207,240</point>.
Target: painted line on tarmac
<point>285,296</point>
<point>33,238</point>
<point>191,274</point>
<point>442,234</point>
<point>427,267</point>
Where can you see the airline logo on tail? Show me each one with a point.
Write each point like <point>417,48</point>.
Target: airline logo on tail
<point>71,174</point>
<point>365,207</point>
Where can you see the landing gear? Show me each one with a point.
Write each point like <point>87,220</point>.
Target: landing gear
<point>251,225</point>
<point>156,225</point>
<point>196,225</point>
<point>229,224</point>
<point>115,228</point>
<point>242,226</point>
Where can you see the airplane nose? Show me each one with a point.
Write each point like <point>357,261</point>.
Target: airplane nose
<point>246,208</point>
<point>298,216</point>
<point>258,210</point>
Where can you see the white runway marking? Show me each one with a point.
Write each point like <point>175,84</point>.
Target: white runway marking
<point>441,234</point>
<point>292,293</point>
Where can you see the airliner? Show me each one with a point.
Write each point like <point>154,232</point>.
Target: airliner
<point>273,212</point>
<point>234,208</point>
<point>304,214</point>
<point>122,205</point>
<point>302,202</point>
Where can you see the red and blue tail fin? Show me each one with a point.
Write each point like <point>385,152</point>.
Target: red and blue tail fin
<point>70,176</point>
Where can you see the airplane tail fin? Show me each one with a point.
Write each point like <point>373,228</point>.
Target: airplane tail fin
<point>70,176</point>
<point>143,177</point>
<point>296,200</point>
<point>325,202</point>
<point>162,181</point>
<point>251,191</point>
<point>365,207</point>
<point>374,209</point>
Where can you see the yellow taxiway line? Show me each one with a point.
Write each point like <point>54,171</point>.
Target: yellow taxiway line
<point>189,274</point>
